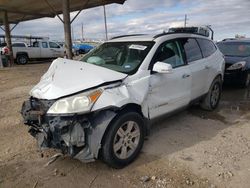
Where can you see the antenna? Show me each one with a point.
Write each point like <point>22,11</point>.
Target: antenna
<point>105,22</point>
<point>185,21</point>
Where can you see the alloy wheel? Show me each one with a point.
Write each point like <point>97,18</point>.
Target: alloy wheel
<point>126,140</point>
<point>215,94</point>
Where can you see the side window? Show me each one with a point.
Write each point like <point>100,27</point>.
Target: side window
<point>192,49</point>
<point>44,44</point>
<point>53,45</point>
<point>36,44</point>
<point>169,52</point>
<point>207,47</point>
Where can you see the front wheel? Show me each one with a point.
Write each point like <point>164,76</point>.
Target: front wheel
<point>212,98</point>
<point>124,140</point>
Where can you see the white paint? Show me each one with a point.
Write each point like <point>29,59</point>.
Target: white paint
<point>157,94</point>
<point>39,51</point>
<point>66,77</point>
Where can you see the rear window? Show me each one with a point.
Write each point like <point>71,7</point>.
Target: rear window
<point>207,47</point>
<point>235,49</point>
<point>192,49</point>
<point>18,45</point>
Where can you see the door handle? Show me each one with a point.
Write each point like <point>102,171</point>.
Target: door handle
<point>185,76</point>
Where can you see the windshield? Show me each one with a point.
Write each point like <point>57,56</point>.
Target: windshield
<point>235,49</point>
<point>125,57</point>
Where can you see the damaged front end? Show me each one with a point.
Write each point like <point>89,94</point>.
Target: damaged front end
<point>76,135</point>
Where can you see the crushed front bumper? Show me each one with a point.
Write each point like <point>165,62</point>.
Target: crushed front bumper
<point>79,136</point>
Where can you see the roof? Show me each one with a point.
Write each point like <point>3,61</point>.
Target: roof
<point>24,37</point>
<point>235,40</point>
<point>23,10</point>
<point>142,37</point>
<point>137,37</point>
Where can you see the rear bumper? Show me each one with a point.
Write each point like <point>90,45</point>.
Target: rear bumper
<point>78,136</point>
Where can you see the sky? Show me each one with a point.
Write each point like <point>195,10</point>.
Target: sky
<point>227,18</point>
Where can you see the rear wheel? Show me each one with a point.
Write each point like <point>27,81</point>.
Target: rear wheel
<point>124,140</point>
<point>22,59</point>
<point>211,100</point>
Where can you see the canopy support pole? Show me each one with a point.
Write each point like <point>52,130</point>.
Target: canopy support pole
<point>8,36</point>
<point>75,16</point>
<point>53,10</point>
<point>67,28</point>
<point>14,27</point>
<point>2,28</point>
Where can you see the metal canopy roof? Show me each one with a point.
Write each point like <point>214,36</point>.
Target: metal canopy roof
<point>23,10</point>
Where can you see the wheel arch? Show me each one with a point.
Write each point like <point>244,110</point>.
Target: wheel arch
<point>219,75</point>
<point>22,53</point>
<point>131,107</point>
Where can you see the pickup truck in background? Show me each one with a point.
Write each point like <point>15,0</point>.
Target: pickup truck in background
<point>38,50</point>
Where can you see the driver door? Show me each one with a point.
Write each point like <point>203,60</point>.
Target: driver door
<point>56,50</point>
<point>169,91</point>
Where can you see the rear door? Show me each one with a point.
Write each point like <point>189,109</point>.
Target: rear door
<point>197,66</point>
<point>168,92</point>
<point>211,59</point>
<point>35,50</point>
<point>45,50</point>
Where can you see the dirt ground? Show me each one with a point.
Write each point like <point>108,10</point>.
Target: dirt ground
<point>193,148</point>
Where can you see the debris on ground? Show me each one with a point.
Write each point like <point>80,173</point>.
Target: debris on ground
<point>189,182</point>
<point>92,181</point>
<point>145,179</point>
<point>53,159</point>
<point>34,186</point>
<point>153,178</point>
<point>55,172</point>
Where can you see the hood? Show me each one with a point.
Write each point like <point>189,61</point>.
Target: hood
<point>231,59</point>
<point>65,77</point>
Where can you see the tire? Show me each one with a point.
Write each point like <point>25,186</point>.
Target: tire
<point>22,59</point>
<point>246,81</point>
<point>128,144</point>
<point>212,98</point>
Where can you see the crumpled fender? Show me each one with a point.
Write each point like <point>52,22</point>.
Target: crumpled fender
<point>99,124</point>
<point>129,92</point>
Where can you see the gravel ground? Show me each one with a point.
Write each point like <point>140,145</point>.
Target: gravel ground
<point>193,148</point>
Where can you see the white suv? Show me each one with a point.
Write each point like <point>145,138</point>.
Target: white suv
<point>101,107</point>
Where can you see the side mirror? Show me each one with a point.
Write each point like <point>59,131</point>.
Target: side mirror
<point>163,68</point>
